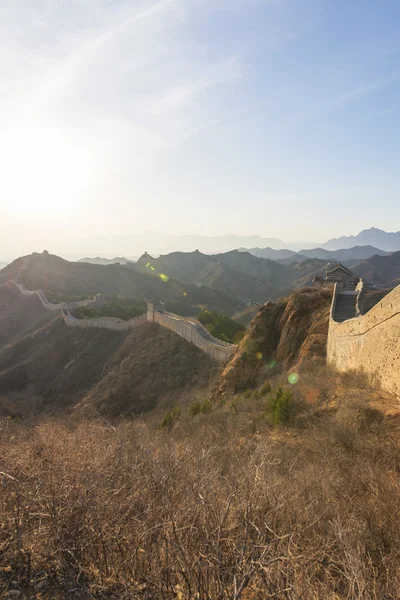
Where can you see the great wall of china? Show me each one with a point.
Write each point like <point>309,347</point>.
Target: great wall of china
<point>189,328</point>
<point>370,343</point>
<point>193,331</point>
<point>102,322</point>
<point>48,305</point>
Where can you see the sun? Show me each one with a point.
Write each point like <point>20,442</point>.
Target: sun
<point>45,171</point>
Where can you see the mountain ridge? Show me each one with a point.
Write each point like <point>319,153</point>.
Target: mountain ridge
<point>388,241</point>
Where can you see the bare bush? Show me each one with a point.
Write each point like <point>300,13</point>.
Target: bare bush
<point>206,511</point>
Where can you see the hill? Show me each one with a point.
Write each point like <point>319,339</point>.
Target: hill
<point>240,274</point>
<point>382,271</point>
<point>76,279</point>
<point>245,316</point>
<point>270,253</point>
<point>19,315</point>
<point>46,366</point>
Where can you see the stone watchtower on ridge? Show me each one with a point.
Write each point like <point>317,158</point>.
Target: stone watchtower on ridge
<point>339,274</point>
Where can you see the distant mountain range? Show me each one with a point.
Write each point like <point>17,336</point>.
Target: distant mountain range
<point>389,241</point>
<point>134,245</point>
<point>287,256</point>
<point>159,243</point>
<point>190,281</point>
<point>98,260</point>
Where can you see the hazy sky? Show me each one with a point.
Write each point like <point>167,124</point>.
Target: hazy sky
<point>275,117</point>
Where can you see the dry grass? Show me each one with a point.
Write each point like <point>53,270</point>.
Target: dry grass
<point>222,507</point>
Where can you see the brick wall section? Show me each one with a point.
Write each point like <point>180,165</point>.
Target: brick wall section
<point>48,305</point>
<point>102,322</point>
<point>189,328</point>
<point>194,332</point>
<point>370,342</point>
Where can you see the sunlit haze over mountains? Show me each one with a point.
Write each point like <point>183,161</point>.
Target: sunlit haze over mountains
<point>275,118</point>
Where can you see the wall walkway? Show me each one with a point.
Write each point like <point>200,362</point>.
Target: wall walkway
<point>370,342</point>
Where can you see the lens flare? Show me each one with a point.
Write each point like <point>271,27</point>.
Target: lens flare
<point>293,378</point>
<point>164,277</point>
<point>147,265</point>
<point>259,355</point>
<point>271,364</point>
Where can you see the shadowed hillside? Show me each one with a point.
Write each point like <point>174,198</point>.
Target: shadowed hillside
<point>19,314</point>
<point>240,274</point>
<point>46,366</point>
<point>380,270</point>
<point>56,275</point>
<point>244,317</point>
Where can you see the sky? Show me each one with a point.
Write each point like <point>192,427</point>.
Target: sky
<point>271,117</point>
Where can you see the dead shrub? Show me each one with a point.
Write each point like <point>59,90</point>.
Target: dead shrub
<point>207,511</point>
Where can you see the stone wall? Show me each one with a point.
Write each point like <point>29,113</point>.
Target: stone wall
<point>194,332</point>
<point>189,328</point>
<point>48,305</point>
<point>102,322</point>
<point>370,342</point>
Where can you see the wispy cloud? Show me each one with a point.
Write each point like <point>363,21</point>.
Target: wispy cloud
<point>114,76</point>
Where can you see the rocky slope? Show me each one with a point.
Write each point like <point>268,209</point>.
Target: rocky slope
<point>284,336</point>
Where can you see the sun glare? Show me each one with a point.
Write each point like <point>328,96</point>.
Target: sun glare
<point>45,171</point>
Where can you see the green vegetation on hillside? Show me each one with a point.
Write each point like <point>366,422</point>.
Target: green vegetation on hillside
<point>55,298</point>
<point>221,326</point>
<point>108,309</point>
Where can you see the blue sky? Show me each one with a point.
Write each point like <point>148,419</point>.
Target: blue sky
<point>270,117</point>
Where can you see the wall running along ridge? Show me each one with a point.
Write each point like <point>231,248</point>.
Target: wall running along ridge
<point>190,329</point>
<point>102,322</point>
<point>48,305</point>
<point>370,342</point>
<point>194,332</point>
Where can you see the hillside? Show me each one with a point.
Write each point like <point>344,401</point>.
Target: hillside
<point>225,272</point>
<point>53,274</point>
<point>113,447</point>
<point>45,365</point>
<point>286,335</point>
<point>247,315</point>
<point>19,315</point>
<point>239,274</point>
<point>383,271</point>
